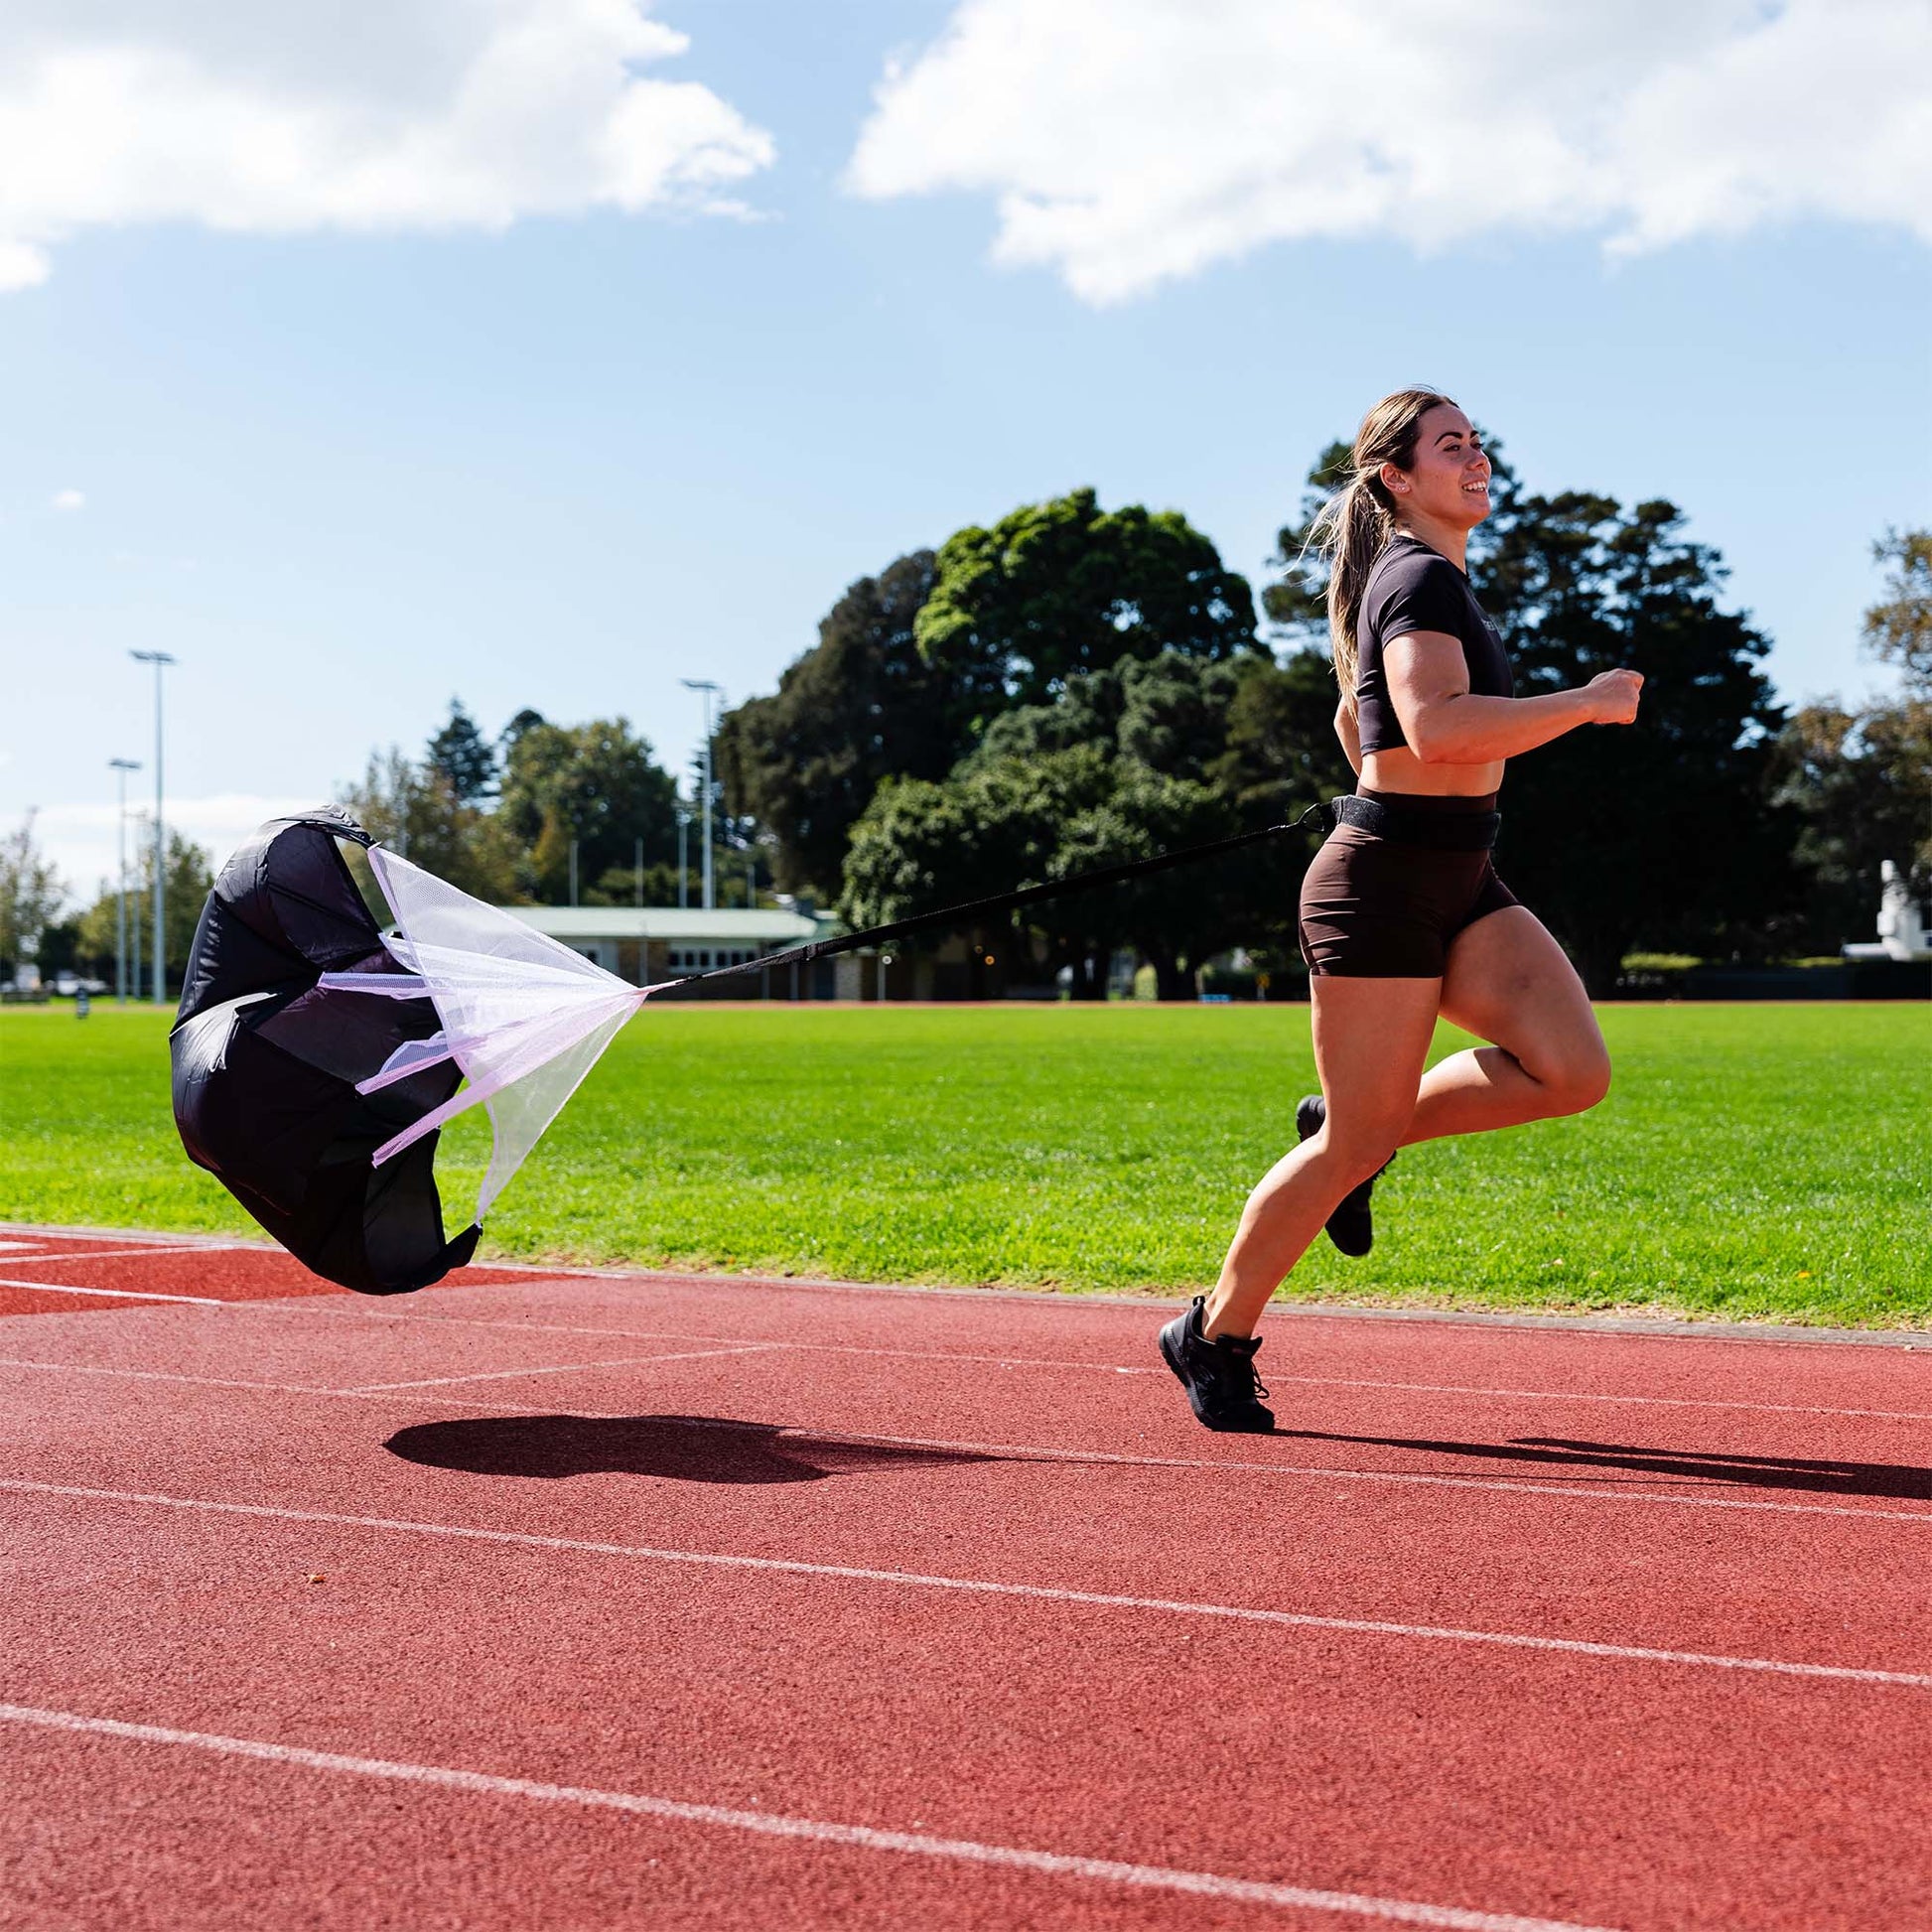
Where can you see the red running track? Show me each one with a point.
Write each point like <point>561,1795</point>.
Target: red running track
<point>589,1599</point>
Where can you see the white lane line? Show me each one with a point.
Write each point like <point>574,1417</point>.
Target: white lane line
<point>552,1368</point>
<point>820,1831</point>
<point>356,1312</point>
<point>748,1341</point>
<point>145,1254</point>
<point>116,1293</point>
<point>983,1587</point>
<point>1036,1452</point>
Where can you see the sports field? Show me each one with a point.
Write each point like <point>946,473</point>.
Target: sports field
<point>1753,1162</point>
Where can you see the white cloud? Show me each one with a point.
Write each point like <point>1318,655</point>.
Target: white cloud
<point>1131,142</point>
<point>278,116</point>
<point>80,837</point>
<point>69,499</point>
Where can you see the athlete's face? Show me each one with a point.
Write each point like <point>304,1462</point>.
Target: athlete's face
<point>1449,482</point>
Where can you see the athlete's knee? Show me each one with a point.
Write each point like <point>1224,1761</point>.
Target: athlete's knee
<point>1359,1145</point>
<point>1575,1080</point>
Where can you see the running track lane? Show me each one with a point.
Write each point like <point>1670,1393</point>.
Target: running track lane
<point>1390,1768</point>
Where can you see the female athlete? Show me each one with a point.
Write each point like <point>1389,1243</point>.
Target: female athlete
<point>1402,918</point>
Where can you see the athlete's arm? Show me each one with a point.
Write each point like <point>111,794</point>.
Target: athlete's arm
<point>1350,734</point>
<point>1445,723</point>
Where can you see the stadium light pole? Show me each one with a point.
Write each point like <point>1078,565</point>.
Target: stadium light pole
<point>160,659</point>
<point>683,865</point>
<point>711,693</point>
<point>134,925</point>
<point>121,767</point>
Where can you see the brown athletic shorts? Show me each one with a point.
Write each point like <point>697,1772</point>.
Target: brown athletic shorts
<point>1384,908</point>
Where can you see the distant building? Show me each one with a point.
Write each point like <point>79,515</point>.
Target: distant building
<point>647,943</point>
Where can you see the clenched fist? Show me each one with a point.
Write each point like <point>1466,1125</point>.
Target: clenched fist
<point>1614,695</point>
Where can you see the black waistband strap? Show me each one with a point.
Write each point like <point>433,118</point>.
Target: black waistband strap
<point>1442,831</point>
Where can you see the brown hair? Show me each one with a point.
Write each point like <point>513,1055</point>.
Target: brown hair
<point>1355,522</point>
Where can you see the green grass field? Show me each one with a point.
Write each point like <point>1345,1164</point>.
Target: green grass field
<point>1753,1162</point>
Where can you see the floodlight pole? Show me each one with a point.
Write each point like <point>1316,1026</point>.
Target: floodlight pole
<point>121,767</point>
<point>160,659</point>
<point>683,866</point>
<point>134,925</point>
<point>711,693</point>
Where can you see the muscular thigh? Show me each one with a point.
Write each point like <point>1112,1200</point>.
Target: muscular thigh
<point>1508,982</point>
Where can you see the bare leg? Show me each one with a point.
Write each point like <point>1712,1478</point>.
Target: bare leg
<point>1371,1037</point>
<point>1508,981</point>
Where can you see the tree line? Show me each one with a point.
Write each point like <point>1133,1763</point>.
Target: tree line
<point>1076,686</point>
<point>507,819</point>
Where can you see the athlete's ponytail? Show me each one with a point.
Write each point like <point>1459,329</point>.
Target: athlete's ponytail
<point>1355,522</point>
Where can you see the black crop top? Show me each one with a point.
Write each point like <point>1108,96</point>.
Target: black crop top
<point>1413,588</point>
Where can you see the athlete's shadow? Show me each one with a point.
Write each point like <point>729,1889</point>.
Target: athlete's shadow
<point>1755,1471</point>
<point>680,1448</point>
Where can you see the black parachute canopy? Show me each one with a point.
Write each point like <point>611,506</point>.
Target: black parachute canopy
<point>266,1062</point>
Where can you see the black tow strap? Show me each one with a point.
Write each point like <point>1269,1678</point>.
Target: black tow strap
<point>977,909</point>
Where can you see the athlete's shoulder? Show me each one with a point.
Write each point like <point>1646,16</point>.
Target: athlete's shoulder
<point>1411,586</point>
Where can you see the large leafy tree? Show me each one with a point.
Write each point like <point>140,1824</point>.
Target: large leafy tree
<point>595,783</point>
<point>862,705</point>
<point>1663,834</point>
<point>1131,762</point>
<point>1065,587</point>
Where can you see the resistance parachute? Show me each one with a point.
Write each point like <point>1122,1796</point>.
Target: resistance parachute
<point>316,1057</point>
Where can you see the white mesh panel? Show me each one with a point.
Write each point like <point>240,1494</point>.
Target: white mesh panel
<point>524,1016</point>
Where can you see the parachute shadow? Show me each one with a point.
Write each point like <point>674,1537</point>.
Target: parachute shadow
<point>675,1449</point>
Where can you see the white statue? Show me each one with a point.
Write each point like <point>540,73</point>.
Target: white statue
<point>1902,925</point>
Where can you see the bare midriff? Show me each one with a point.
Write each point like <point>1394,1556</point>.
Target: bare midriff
<point>1400,769</point>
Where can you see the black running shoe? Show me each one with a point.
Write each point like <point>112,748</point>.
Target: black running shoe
<point>1351,1227</point>
<point>1222,1387</point>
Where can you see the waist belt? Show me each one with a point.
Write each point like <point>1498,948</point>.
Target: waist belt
<point>1444,831</point>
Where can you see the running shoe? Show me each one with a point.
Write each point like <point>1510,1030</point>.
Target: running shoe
<point>1351,1227</point>
<point>1222,1387</point>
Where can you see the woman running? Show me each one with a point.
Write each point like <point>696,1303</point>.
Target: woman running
<point>1402,918</point>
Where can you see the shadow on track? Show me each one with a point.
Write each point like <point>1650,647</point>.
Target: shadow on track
<point>1755,1471</point>
<point>679,1449</point>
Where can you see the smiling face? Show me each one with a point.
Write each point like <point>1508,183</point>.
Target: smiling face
<point>1449,482</point>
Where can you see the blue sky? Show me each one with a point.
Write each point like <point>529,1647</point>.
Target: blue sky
<point>345,471</point>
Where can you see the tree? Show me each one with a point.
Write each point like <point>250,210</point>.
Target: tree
<point>1661,835</point>
<point>595,783</point>
<point>95,934</point>
<point>988,826</point>
<point>32,893</point>
<point>414,809</point>
<point>462,757</point>
<point>862,705</point>
<point>1064,587</point>
<point>1861,780</point>
<point>1128,763</point>
<point>1898,629</point>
